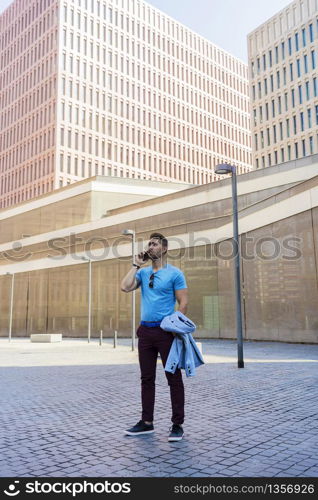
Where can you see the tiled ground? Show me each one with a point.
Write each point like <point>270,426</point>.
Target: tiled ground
<point>64,408</point>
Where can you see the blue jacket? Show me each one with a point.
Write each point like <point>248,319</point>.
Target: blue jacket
<point>184,353</point>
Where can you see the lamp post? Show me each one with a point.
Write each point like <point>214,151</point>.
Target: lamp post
<point>89,297</point>
<point>131,232</point>
<point>11,304</point>
<point>223,169</point>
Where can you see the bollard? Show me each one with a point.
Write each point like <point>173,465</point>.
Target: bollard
<point>101,337</point>
<point>115,338</point>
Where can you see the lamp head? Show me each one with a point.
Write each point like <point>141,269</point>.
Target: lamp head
<point>128,232</point>
<point>223,168</point>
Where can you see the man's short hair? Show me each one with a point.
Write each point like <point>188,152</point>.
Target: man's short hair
<point>159,236</point>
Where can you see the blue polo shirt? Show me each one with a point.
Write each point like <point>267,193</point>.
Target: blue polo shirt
<point>159,301</point>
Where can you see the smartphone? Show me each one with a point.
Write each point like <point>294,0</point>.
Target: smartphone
<point>145,256</point>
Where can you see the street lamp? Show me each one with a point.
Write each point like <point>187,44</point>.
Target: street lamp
<point>11,304</point>
<point>131,232</point>
<point>223,169</point>
<point>89,297</point>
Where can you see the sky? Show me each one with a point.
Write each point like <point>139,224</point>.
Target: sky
<point>225,23</point>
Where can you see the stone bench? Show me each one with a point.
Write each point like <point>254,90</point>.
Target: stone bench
<point>46,337</point>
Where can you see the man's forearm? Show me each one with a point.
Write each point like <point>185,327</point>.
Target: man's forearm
<point>183,306</point>
<point>129,280</point>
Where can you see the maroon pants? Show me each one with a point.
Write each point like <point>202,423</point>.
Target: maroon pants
<point>151,341</point>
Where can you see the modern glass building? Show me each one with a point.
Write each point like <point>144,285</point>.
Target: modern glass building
<point>113,88</point>
<point>283,58</point>
<point>44,241</point>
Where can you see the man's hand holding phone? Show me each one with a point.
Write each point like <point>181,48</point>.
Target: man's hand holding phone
<point>141,258</point>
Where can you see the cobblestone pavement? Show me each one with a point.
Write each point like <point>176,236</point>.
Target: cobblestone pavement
<point>64,408</point>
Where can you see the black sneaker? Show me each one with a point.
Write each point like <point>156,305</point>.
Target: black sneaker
<point>176,433</point>
<point>140,428</point>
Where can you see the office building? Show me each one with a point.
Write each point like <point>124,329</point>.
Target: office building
<point>113,88</point>
<point>283,58</point>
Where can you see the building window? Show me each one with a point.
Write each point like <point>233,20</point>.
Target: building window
<point>298,67</point>
<point>300,93</point>
<point>289,151</point>
<point>270,59</point>
<point>309,118</point>
<point>282,155</point>
<point>306,63</point>
<point>295,124</point>
<point>314,84</point>
<point>296,150</point>
<point>283,50</point>
<point>307,91</point>
<point>289,46</point>
<point>291,72</point>
<point>303,31</point>
<point>313,59</point>
<point>311,33</point>
<point>276,55</point>
<point>304,147</point>
<point>311,145</point>
<point>296,42</point>
<point>302,125</point>
<point>316,112</point>
<point>287,127</point>
<point>293,97</point>
<point>68,164</point>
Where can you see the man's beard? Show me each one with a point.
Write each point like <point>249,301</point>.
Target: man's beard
<point>155,257</point>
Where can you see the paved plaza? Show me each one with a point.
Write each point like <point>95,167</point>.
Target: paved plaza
<point>64,408</point>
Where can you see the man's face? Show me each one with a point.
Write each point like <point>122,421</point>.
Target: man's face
<point>155,249</point>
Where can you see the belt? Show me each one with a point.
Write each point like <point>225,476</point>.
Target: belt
<point>150,323</point>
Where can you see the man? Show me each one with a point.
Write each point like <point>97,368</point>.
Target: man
<point>161,285</point>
